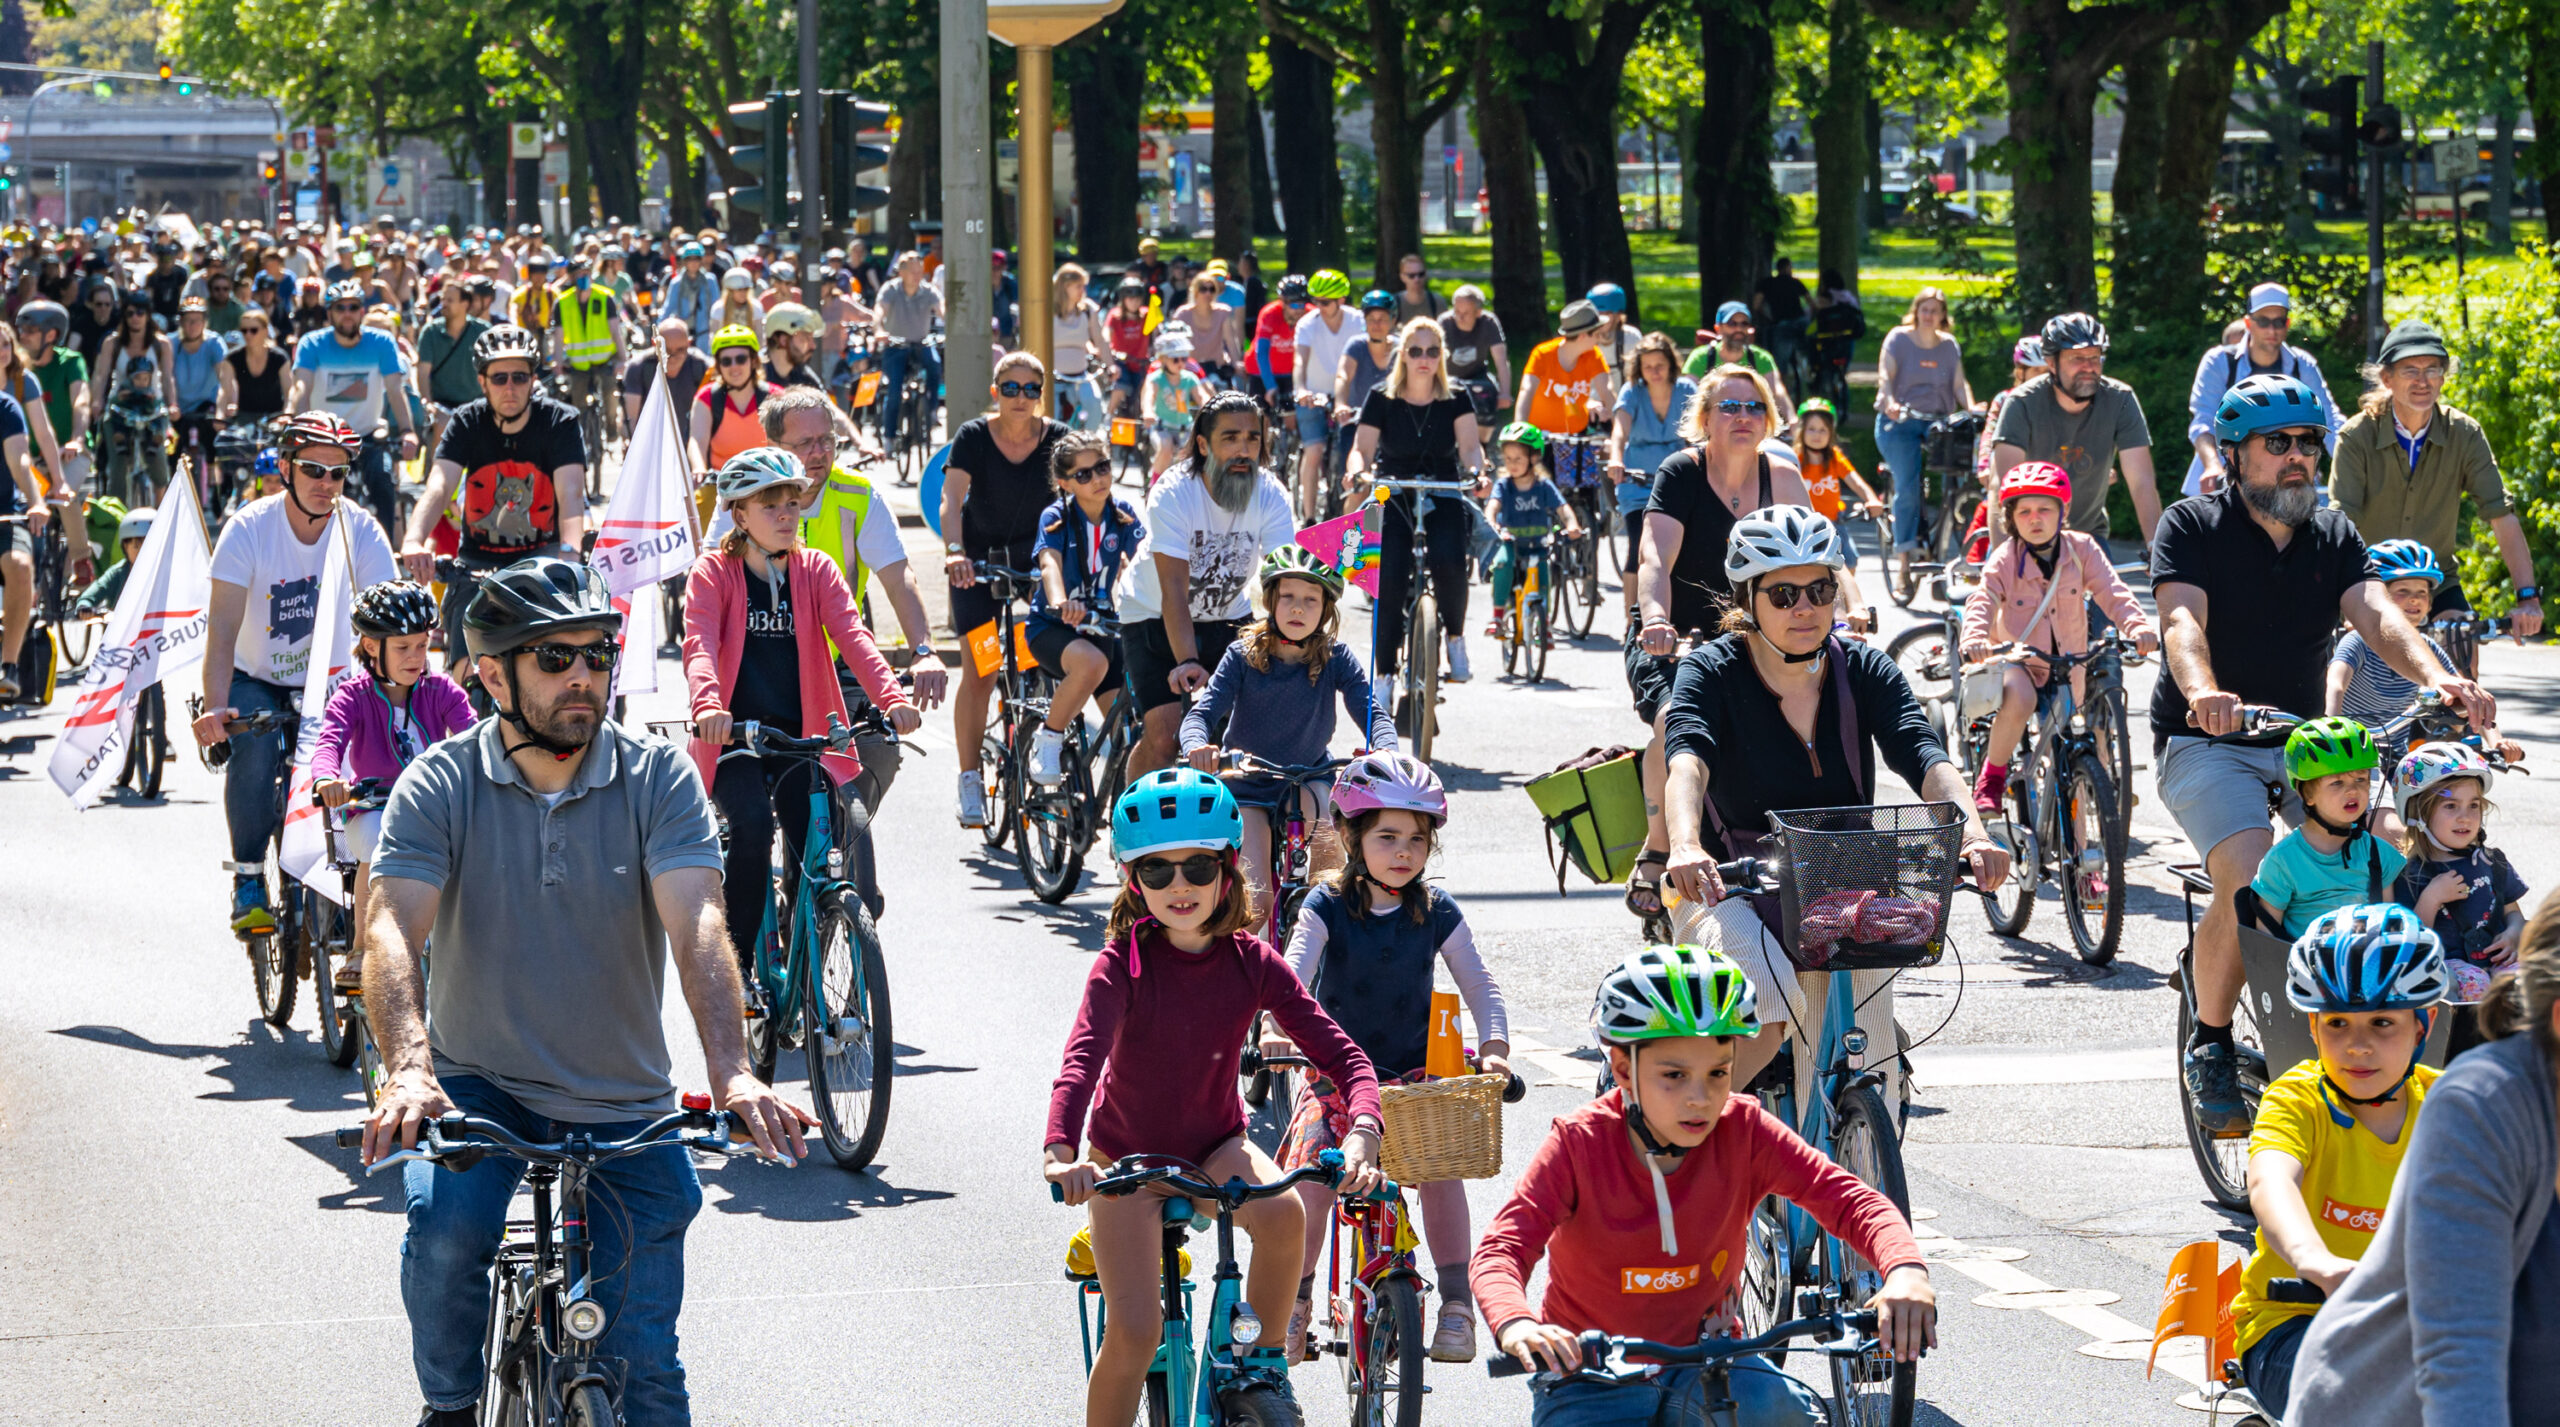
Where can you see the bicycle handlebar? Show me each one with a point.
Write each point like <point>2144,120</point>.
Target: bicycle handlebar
<point>1236,760</point>
<point>1855,1330</point>
<point>457,1135</point>
<point>366,795</point>
<point>1184,1176</point>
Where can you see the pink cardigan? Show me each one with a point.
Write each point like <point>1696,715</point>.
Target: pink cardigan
<point>2012,587</point>
<point>715,628</point>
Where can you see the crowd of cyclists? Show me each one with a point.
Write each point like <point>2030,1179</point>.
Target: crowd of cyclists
<point>452,408</point>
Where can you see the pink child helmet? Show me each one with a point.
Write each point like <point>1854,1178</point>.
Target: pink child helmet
<point>1390,780</point>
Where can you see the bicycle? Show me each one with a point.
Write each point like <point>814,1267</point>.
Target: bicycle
<point>345,1035</point>
<point>1525,632</point>
<point>912,443</point>
<point>1948,455</point>
<point>1003,767</point>
<point>1579,475</point>
<point>1212,1386</point>
<point>1851,1347</point>
<point>2458,633</point>
<point>2231,1394</point>
<point>44,651</point>
<point>819,981</point>
<point>1054,828</point>
<point>275,956</point>
<point>543,1322</point>
<point>1418,680</point>
<point>1292,877</point>
<point>146,758</point>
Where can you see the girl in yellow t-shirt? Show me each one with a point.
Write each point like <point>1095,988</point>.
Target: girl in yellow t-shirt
<point>2330,1131</point>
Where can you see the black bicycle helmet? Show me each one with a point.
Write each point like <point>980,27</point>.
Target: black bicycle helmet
<point>395,607</point>
<point>2073,329</point>
<point>1293,288</point>
<point>531,598</point>
<point>45,316</point>
<point>504,342</point>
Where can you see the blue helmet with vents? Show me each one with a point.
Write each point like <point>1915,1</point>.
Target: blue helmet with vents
<point>2273,402</point>
<point>2403,560</point>
<point>1171,808</point>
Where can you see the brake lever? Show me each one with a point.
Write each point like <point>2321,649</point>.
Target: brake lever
<point>399,1157</point>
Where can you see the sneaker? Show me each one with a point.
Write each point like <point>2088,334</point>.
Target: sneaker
<point>1493,627</point>
<point>1382,693</point>
<point>2213,1082</point>
<point>1453,1339</point>
<point>1297,1349</point>
<point>9,687</point>
<point>449,1416</point>
<point>249,913</point>
<point>973,800</point>
<point>1457,672</point>
<point>1046,746</point>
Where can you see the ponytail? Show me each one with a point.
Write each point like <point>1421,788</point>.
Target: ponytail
<point>2522,1000</point>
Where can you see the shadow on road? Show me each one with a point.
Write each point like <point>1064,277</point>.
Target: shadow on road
<point>814,1192</point>
<point>265,1065</point>
<point>380,1193</point>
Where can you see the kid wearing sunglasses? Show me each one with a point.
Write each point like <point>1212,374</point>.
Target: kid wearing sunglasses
<point>1154,1055</point>
<point>1086,535</point>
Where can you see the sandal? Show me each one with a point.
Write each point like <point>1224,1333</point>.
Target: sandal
<point>1644,894</point>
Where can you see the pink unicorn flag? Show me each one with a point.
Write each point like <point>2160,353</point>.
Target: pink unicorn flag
<point>1349,543</point>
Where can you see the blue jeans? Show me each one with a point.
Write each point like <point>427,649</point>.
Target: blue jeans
<point>641,1205</point>
<point>1079,401</point>
<point>894,360</point>
<point>252,801</point>
<point>1905,447</point>
<point>2267,1367</point>
<point>1762,1397</point>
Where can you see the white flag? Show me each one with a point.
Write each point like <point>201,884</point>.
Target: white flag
<point>647,534</point>
<point>156,633</point>
<point>333,662</point>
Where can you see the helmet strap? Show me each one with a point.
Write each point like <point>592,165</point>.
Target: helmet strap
<point>2347,831</point>
<point>2426,1023</point>
<point>533,738</point>
<point>1636,1121</point>
<point>296,497</point>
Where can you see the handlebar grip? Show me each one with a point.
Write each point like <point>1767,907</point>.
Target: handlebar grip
<point>1516,1091</point>
<point>2295,1290</point>
<point>1057,1193</point>
<point>1504,1365</point>
<point>351,1139</point>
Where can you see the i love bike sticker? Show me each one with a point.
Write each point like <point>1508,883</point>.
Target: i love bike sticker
<point>2349,1216</point>
<point>1658,1280</point>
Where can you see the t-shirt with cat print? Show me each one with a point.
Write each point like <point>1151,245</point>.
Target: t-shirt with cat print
<point>510,504</point>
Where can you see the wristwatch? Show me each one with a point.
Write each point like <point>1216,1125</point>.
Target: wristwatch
<point>2529,592</point>
<point>953,547</point>
<point>923,651</point>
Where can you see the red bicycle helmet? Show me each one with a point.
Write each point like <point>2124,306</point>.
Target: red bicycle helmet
<point>317,428</point>
<point>2036,478</point>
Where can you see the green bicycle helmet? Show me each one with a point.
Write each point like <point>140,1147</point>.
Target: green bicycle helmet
<point>2323,746</point>
<point>1666,991</point>
<point>1295,561</point>
<point>1818,406</point>
<point>1521,433</point>
<point>1327,284</point>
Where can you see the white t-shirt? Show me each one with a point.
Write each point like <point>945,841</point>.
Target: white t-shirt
<point>1224,549</point>
<point>259,553</point>
<point>1320,348</point>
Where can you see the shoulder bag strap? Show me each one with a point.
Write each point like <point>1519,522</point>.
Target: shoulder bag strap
<point>1852,747</point>
<point>2373,888</point>
<point>2052,587</point>
<point>1764,482</point>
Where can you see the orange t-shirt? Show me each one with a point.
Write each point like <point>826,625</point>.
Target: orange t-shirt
<point>1822,472</point>
<point>1560,403</point>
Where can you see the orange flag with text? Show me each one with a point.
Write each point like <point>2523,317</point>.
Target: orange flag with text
<point>2196,1302</point>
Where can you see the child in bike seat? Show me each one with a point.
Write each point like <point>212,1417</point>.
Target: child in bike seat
<point>2463,889</point>
<point>1827,472</point>
<point>2331,1130</point>
<point>2035,591</point>
<point>1086,535</point>
<point>1525,505</point>
<point>2364,688</point>
<point>1368,941</point>
<point>1641,1201</point>
<point>1274,690</point>
<point>375,726</point>
<point>2332,860</point>
<point>1154,1054</point>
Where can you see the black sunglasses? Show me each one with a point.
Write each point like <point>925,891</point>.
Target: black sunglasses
<point>338,307</point>
<point>320,471</point>
<point>736,359</point>
<point>556,658</point>
<point>1822,592</point>
<point>1086,473</point>
<point>1017,391</point>
<point>2280,442</point>
<point>1731,407</point>
<point>1200,869</point>
<point>507,378</point>
<point>1422,351</point>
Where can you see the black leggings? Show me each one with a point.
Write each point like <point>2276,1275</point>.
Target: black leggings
<point>1447,528</point>
<point>748,790</point>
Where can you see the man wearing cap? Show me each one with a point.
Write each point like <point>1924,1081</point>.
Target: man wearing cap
<point>692,293</point>
<point>1479,359</point>
<point>2405,461</point>
<point>1733,344</point>
<point>2261,352</point>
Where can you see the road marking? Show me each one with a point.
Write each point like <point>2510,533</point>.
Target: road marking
<point>1563,1068</point>
<point>2024,1292</point>
<point>1952,1066</point>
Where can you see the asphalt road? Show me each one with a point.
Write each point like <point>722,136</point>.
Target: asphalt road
<point>185,1244</point>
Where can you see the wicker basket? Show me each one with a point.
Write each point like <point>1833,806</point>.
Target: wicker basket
<point>1445,1129</point>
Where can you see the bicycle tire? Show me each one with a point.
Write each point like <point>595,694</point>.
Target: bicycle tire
<point>2106,716</point>
<point>1508,624</point>
<point>850,1046</point>
<point>2223,1160</point>
<point>995,777</point>
<point>2010,908</point>
<point>1865,1144</point>
<point>1766,1288</point>
<point>273,960</point>
<point>519,1403</point>
<point>591,1406</point>
<point>1422,676</point>
<point>368,1059</point>
<point>1045,841</point>
<point>334,1012</point>
<point>2088,806</point>
<point>1159,1401</point>
<point>1535,635</point>
<point>1258,1407</point>
<point>1592,597</point>
<point>1386,1380</point>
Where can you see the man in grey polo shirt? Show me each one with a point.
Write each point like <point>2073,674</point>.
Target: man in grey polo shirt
<point>559,861</point>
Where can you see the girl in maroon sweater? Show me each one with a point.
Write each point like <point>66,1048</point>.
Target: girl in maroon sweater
<point>1153,1056</point>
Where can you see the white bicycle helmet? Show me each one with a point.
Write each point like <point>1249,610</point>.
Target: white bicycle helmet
<point>1391,780</point>
<point>2432,765</point>
<point>1779,537</point>
<point>1173,342</point>
<point>2371,958</point>
<point>759,468</point>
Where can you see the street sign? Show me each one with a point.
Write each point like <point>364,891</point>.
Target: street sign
<point>524,141</point>
<point>2457,159</point>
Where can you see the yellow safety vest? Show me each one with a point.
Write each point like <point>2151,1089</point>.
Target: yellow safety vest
<point>588,328</point>
<point>834,528</point>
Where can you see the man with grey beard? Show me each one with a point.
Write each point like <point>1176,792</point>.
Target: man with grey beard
<point>1210,519</point>
<point>2081,419</point>
<point>2251,581</point>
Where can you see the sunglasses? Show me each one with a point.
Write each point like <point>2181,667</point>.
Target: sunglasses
<point>1731,407</point>
<point>2279,320</point>
<point>1821,592</point>
<point>1018,391</point>
<point>321,471</point>
<point>1422,351</point>
<point>1082,474</point>
<point>1411,273</point>
<point>1200,869</point>
<point>507,378</point>
<point>556,658</point>
<point>337,307</point>
<point>735,359</point>
<point>2280,442</point>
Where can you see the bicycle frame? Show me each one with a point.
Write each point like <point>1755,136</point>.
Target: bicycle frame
<point>821,876</point>
<point>1839,1067</point>
<point>1381,1241</point>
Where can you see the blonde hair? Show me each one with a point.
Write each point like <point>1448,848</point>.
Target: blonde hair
<point>1394,384</point>
<point>733,545</point>
<point>1058,285</point>
<point>1911,314</point>
<point>1693,422</point>
<point>1260,642</point>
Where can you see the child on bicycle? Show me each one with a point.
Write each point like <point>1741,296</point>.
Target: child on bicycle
<point>2363,688</point>
<point>1827,470</point>
<point>2035,591</point>
<point>1086,535</point>
<point>1154,1054</point>
<point>1275,689</point>
<point>1640,1201</point>
<point>375,726</point>
<point>1171,397</point>
<point>2463,889</point>
<point>1367,941</point>
<point>102,593</point>
<point>2332,860</point>
<point>2334,1127</point>
<point>1525,505</point>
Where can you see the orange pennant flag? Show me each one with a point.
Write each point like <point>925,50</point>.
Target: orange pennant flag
<point>2194,1301</point>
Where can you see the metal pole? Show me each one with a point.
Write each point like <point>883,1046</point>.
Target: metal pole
<point>1031,76</point>
<point>2373,199</point>
<point>812,186</point>
<point>968,267</point>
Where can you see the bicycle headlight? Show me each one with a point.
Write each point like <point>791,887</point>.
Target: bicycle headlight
<point>1247,1326</point>
<point>583,1319</point>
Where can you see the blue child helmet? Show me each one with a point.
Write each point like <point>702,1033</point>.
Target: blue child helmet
<point>267,463</point>
<point>2272,402</point>
<point>1608,297</point>
<point>2371,958</point>
<point>2403,560</point>
<point>1174,807</point>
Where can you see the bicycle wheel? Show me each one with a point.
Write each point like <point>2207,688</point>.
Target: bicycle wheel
<point>1258,1407</point>
<point>1386,1382</point>
<point>1867,1392</point>
<point>590,1406</point>
<point>1508,624</point>
<point>368,1058</point>
<point>1159,1402</point>
<point>1535,636</point>
<point>851,1056</point>
<point>518,1373</point>
<point>331,941</point>
<point>151,741</point>
<point>1768,1271</point>
<point>273,956</point>
<point>2222,1159</point>
<point>2015,902</point>
<point>995,775</point>
<point>1045,843</point>
<point>2090,856</point>
<point>2106,718</point>
<point>1421,677</point>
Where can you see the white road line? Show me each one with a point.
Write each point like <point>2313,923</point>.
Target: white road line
<point>1964,1065</point>
<point>2061,1305</point>
<point>1562,1068</point>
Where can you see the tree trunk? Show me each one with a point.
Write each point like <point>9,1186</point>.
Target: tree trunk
<point>1872,145</point>
<point>684,184</point>
<point>1104,106</point>
<point>2052,101</point>
<point>2190,164</point>
<point>1511,207</point>
<point>1231,144</point>
<point>1302,167</point>
<point>576,188</point>
<point>489,150</point>
<point>2146,122</point>
<point>1397,142</point>
<point>1570,94</point>
<point>1839,148</point>
<point>2541,43</point>
<point>1737,194</point>
<point>2502,183</point>
<point>915,171</point>
<point>1684,138</point>
<point>1266,215</point>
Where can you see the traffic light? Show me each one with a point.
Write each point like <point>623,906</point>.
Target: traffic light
<point>8,177</point>
<point>168,71</point>
<point>759,142</point>
<point>847,157</point>
<point>269,171</point>
<point>2380,128</point>
<point>2334,141</point>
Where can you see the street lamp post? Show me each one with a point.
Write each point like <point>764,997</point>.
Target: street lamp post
<point>1034,28</point>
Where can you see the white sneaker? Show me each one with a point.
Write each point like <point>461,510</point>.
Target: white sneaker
<point>1046,745</point>
<point>973,800</point>
<point>1457,672</point>
<point>1382,693</point>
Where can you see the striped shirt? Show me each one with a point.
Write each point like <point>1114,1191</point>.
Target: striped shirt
<point>2378,694</point>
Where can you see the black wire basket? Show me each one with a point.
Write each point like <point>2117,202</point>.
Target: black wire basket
<point>1866,888</point>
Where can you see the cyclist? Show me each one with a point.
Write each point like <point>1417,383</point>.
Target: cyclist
<point>1078,345</point>
<point>1479,358</point>
<point>591,347</point>
<point>724,411</point>
<point>1365,362</point>
<point>100,597</point>
<point>1171,397</point>
<point>256,659</point>
<point>2360,685</point>
<point>518,463</point>
<point>1566,385</point>
<point>995,485</point>
<point>2262,349</point>
<point>761,611</point>
<point>549,827</point>
<point>2281,573</point>
<point>357,374</point>
<point>22,494</point>
<point>1618,337</point>
<point>1412,426</point>
<point>1086,536</point>
<point>907,312</point>
<point>1644,432</point>
<point>1525,508</point>
<point>1272,359</point>
<point>1654,1182</point>
<point>2084,421</point>
<point>1729,343</point>
<point>673,357</point>
<point>1212,325</point>
<point>1125,327</point>
<point>445,351</point>
<point>1920,380</point>
<point>64,375</point>
<point>2026,362</point>
<point>1153,1055</point>
<point>1322,337</point>
<point>1779,679</point>
<point>203,381</point>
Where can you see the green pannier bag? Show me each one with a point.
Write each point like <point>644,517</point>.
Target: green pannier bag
<point>1594,806</point>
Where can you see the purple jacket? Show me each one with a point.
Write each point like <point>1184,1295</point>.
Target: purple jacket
<point>355,734</point>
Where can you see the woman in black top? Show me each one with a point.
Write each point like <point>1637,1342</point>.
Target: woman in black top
<point>1411,426</point>
<point>257,369</point>
<point>1779,713</point>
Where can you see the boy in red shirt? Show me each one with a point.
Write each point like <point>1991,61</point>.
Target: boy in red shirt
<point>1640,1210</point>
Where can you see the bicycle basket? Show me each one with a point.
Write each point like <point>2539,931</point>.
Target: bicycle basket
<point>1866,888</point>
<point>1442,1129</point>
<point>1949,444</point>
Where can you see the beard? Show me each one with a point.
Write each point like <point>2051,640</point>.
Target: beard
<point>1232,484</point>
<point>2080,385</point>
<point>2286,505</point>
<point>568,721</point>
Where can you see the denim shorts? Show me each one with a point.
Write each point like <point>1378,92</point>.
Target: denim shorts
<point>1314,424</point>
